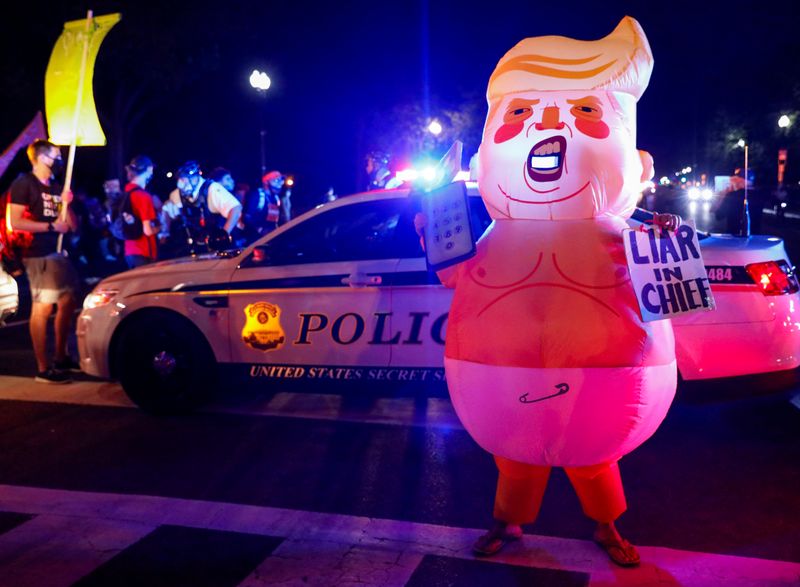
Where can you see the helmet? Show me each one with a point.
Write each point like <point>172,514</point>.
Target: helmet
<point>139,164</point>
<point>189,169</point>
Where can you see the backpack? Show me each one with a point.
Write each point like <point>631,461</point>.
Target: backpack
<point>121,229</point>
<point>12,242</point>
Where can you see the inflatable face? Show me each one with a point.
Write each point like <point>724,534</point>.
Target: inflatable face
<point>560,138</point>
<point>561,155</point>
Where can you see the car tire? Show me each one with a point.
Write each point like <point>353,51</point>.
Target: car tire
<point>164,363</point>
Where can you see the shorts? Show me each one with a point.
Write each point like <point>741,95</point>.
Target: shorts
<point>51,277</point>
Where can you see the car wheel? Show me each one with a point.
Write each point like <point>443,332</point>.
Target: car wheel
<point>164,363</point>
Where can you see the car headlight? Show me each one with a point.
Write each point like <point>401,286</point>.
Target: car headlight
<point>99,297</point>
<point>694,193</point>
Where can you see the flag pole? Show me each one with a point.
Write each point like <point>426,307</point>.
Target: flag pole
<point>75,120</point>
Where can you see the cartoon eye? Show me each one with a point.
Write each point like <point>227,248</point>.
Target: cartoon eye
<point>586,112</point>
<point>517,114</point>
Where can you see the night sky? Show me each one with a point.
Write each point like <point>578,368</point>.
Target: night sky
<point>337,67</point>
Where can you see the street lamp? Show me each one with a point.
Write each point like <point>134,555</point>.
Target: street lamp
<point>784,121</point>
<point>435,127</point>
<point>743,144</point>
<point>260,81</point>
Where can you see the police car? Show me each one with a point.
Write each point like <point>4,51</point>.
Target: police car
<point>342,293</point>
<point>9,296</point>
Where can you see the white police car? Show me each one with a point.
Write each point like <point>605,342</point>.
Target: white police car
<point>9,296</point>
<point>342,293</point>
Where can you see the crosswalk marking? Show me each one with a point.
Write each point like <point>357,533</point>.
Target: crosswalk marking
<point>386,550</point>
<point>52,550</point>
<point>174,556</point>
<point>334,563</point>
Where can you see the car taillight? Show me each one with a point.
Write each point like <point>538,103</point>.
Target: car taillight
<point>774,277</point>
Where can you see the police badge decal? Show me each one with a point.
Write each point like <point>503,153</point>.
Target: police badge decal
<point>262,328</point>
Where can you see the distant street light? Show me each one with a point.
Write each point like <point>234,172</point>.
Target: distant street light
<point>784,121</point>
<point>740,143</point>
<point>260,81</point>
<point>435,127</point>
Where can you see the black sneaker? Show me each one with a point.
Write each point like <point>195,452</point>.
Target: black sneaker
<point>67,364</point>
<point>52,376</point>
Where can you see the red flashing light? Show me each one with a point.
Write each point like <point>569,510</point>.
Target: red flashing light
<point>775,278</point>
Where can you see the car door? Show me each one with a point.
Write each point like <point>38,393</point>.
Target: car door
<point>314,302</point>
<point>421,304</point>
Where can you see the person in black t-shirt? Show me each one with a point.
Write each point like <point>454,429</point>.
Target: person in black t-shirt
<point>35,207</point>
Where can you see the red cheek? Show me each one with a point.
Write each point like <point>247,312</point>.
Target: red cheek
<point>507,131</point>
<point>596,129</point>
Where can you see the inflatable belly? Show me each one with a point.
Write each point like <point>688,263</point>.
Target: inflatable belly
<point>566,374</point>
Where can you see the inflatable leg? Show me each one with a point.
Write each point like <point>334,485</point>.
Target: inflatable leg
<point>520,488</point>
<point>599,489</point>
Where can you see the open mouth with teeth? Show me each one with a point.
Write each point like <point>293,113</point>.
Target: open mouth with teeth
<point>546,159</point>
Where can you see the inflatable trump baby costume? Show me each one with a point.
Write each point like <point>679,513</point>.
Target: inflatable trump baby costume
<point>547,359</point>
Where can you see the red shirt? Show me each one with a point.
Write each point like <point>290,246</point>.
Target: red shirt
<point>143,209</point>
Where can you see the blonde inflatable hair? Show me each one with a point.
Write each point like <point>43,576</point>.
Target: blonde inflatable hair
<point>620,62</point>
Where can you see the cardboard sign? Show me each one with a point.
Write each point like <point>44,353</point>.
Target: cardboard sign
<point>667,272</point>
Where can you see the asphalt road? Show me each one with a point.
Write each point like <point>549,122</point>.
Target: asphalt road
<point>720,475</point>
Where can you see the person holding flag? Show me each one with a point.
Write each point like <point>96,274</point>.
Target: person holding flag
<point>40,205</point>
<point>36,207</point>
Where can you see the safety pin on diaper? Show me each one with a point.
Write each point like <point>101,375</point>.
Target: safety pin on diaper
<point>561,387</point>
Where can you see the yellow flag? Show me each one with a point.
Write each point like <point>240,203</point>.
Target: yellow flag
<point>62,79</point>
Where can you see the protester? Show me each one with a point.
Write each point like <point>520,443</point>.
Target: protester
<point>91,225</point>
<point>36,207</point>
<point>172,236</point>
<point>113,243</point>
<point>140,225</point>
<point>223,177</point>
<point>730,207</point>
<point>207,208</point>
<point>547,358</point>
<point>239,234</point>
<point>378,172</point>
<point>263,208</point>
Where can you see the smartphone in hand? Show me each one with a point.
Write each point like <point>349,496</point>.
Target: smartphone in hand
<point>447,232</point>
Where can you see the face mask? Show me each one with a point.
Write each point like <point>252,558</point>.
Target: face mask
<point>57,167</point>
<point>185,187</point>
